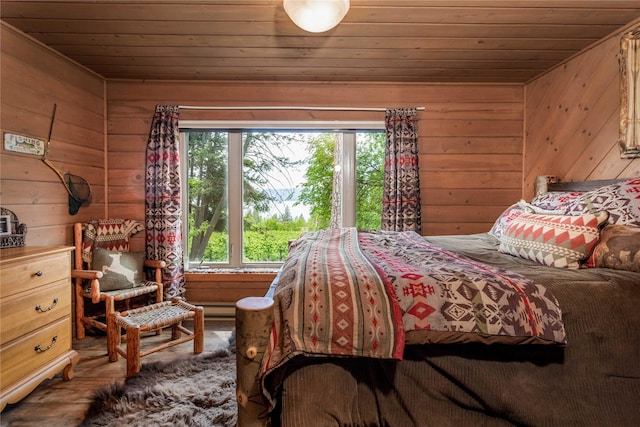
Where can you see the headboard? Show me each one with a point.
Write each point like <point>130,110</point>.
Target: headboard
<point>546,183</point>
<point>582,185</point>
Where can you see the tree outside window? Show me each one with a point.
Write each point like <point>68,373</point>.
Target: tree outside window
<point>286,186</point>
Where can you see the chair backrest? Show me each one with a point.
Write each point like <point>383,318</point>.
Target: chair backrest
<point>111,234</point>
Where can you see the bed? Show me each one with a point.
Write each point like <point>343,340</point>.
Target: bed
<point>546,332</point>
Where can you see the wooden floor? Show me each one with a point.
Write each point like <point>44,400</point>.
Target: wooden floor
<point>63,403</point>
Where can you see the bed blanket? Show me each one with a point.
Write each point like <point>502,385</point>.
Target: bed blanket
<point>593,381</point>
<point>347,293</point>
<point>459,299</point>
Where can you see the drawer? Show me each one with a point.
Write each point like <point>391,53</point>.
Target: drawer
<point>20,358</point>
<point>27,311</point>
<point>19,277</point>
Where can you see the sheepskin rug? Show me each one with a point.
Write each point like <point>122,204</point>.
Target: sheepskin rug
<point>199,390</point>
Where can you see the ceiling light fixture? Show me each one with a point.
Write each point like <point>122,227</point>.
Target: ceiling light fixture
<point>316,16</point>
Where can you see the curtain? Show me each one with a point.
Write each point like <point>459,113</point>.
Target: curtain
<point>401,191</point>
<point>163,211</point>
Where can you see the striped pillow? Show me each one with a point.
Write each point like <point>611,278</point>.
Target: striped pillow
<point>554,240</point>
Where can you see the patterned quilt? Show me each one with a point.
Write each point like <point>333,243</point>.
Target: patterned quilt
<point>344,292</point>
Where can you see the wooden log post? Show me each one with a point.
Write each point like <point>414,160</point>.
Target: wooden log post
<point>254,317</point>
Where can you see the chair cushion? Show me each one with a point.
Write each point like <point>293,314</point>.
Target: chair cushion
<point>121,270</point>
<point>111,234</point>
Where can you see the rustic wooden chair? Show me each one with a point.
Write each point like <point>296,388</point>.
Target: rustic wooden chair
<point>107,271</point>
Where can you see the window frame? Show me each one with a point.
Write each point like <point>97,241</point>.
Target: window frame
<point>235,130</point>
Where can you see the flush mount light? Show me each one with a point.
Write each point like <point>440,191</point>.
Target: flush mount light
<point>316,16</point>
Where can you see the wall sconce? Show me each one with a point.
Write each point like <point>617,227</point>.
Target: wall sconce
<point>316,16</point>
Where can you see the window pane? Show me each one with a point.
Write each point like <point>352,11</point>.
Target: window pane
<point>369,179</point>
<point>207,174</point>
<point>260,190</point>
<point>274,165</point>
<point>318,179</point>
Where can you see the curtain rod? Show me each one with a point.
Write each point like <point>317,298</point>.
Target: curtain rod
<point>196,107</point>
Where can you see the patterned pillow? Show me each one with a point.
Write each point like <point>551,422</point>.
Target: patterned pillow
<point>554,240</point>
<point>505,218</point>
<point>511,213</point>
<point>619,248</point>
<point>121,270</point>
<point>558,201</point>
<point>622,201</point>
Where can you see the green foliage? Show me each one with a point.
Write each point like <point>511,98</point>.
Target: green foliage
<point>316,190</point>
<point>268,245</point>
<point>369,180</point>
<point>267,239</point>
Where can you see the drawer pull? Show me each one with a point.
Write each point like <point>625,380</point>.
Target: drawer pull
<point>51,307</point>
<point>39,349</point>
<point>39,273</point>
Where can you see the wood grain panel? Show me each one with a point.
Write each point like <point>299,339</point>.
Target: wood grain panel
<point>572,116</point>
<point>471,162</point>
<point>487,117</point>
<point>470,180</point>
<point>468,40</point>
<point>468,197</point>
<point>287,28</point>
<point>312,93</point>
<point>33,79</point>
<point>404,40</point>
<point>456,214</point>
<point>423,11</point>
<point>126,194</point>
<point>432,229</point>
<point>470,145</point>
<point>226,287</point>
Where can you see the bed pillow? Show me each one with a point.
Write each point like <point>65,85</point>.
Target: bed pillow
<point>505,218</point>
<point>554,240</point>
<point>511,213</point>
<point>558,201</point>
<point>621,200</point>
<point>618,248</point>
<point>121,270</point>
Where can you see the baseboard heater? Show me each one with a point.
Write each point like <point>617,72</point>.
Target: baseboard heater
<point>217,310</point>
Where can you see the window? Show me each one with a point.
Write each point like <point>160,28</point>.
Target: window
<point>249,191</point>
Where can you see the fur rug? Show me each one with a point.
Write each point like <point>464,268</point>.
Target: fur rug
<point>196,391</point>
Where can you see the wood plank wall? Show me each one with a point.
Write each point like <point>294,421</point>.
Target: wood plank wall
<point>572,120</point>
<point>470,136</point>
<point>473,159</point>
<point>470,146</point>
<point>33,79</point>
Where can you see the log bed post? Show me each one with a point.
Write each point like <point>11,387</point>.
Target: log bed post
<point>254,317</point>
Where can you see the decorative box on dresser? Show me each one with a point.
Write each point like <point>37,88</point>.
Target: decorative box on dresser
<point>35,318</point>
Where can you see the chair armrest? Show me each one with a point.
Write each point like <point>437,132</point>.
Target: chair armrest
<point>158,265</point>
<point>92,275</point>
<point>154,263</point>
<point>86,274</point>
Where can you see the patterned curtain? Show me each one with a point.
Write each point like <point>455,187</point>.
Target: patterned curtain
<point>401,192</point>
<point>163,213</point>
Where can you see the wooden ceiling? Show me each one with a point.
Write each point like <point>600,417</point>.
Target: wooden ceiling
<point>393,40</point>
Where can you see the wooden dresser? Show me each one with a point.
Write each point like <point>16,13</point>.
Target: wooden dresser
<point>35,318</point>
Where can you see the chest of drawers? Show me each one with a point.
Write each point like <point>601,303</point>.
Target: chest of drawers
<point>35,319</point>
